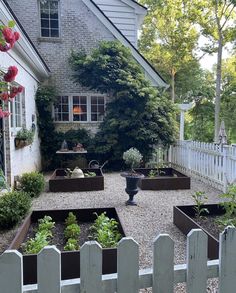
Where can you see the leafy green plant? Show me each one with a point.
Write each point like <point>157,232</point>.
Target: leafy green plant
<point>105,231</point>
<point>13,207</point>
<point>46,224</point>
<point>153,173</point>
<point>36,244</point>
<point>89,174</point>
<point>200,198</point>
<point>71,244</point>
<point>42,236</point>
<point>137,115</point>
<point>229,206</point>
<point>72,231</point>
<point>132,158</point>
<point>71,219</point>
<point>33,183</point>
<point>25,134</point>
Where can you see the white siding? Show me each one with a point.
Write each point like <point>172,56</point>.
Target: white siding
<point>28,158</point>
<point>123,17</point>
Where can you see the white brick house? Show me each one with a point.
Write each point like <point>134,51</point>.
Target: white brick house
<point>58,26</point>
<point>31,71</point>
<point>50,30</point>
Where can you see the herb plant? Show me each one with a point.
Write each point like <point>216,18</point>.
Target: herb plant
<point>42,236</point>
<point>71,244</point>
<point>105,231</point>
<point>72,231</point>
<point>132,158</point>
<point>152,173</point>
<point>200,198</point>
<point>71,219</point>
<point>36,244</point>
<point>228,219</point>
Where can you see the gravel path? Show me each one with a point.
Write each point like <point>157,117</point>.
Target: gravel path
<point>144,222</point>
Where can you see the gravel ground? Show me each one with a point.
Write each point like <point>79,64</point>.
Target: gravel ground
<point>144,222</point>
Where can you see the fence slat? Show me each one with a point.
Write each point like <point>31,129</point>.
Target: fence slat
<point>227,261</point>
<point>49,270</point>
<point>11,268</point>
<point>196,261</point>
<point>91,268</point>
<point>128,266</point>
<point>163,265</point>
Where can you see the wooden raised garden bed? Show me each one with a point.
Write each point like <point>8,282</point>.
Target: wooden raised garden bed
<point>70,260</point>
<point>60,182</point>
<point>168,179</point>
<point>183,218</point>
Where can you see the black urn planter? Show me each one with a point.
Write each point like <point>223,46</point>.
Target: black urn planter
<point>132,186</point>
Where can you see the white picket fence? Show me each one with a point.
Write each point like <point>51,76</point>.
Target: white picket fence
<point>129,279</point>
<point>211,163</point>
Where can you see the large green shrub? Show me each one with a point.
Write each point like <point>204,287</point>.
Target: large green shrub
<point>13,207</point>
<point>137,115</point>
<point>33,183</point>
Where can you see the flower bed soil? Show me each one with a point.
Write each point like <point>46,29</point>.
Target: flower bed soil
<point>169,179</point>
<point>60,182</point>
<point>184,218</point>
<point>70,260</point>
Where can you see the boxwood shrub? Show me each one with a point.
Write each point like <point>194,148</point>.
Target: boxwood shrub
<point>33,183</point>
<point>13,207</point>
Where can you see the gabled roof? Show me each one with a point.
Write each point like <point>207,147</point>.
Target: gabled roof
<point>148,68</point>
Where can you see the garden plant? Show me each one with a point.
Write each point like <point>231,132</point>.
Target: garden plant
<point>33,183</point>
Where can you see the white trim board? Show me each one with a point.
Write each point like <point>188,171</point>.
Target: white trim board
<point>155,77</point>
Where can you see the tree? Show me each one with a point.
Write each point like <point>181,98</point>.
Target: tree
<point>218,25</point>
<point>169,36</point>
<point>228,100</point>
<point>200,119</point>
<point>137,116</point>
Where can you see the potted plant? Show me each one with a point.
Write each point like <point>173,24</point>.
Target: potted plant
<point>24,137</point>
<point>132,158</point>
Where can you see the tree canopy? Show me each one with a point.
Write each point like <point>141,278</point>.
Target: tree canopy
<point>137,114</point>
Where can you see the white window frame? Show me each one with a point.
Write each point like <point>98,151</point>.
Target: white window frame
<point>70,102</point>
<point>59,22</point>
<point>12,108</point>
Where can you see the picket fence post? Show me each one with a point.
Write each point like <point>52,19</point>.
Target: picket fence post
<point>129,279</point>
<point>11,272</point>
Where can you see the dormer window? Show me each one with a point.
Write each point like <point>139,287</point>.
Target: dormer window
<point>49,17</point>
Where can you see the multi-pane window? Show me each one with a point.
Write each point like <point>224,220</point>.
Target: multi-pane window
<point>97,108</point>
<point>16,111</point>
<point>80,108</point>
<point>49,17</point>
<point>61,109</point>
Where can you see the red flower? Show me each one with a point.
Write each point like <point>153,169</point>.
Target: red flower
<point>4,96</point>
<point>11,74</point>
<point>4,114</point>
<point>17,36</point>
<point>5,48</point>
<point>8,35</point>
<point>20,89</point>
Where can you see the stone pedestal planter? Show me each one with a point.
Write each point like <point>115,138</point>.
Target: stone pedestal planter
<point>60,182</point>
<point>70,260</point>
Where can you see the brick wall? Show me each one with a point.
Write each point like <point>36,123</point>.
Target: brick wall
<point>80,29</point>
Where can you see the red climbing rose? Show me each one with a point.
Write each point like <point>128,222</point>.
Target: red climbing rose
<point>11,74</point>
